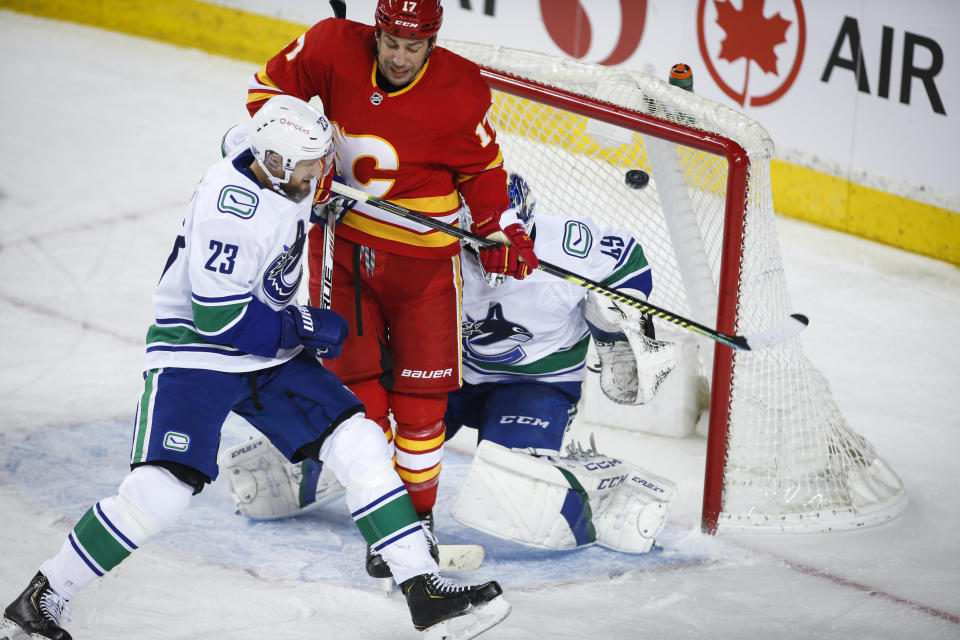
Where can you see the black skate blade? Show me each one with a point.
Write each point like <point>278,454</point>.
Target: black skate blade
<point>481,619</point>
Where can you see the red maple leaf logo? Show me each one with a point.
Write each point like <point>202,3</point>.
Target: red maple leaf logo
<point>750,35</point>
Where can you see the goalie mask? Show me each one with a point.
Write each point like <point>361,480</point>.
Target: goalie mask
<point>522,202</point>
<point>286,131</point>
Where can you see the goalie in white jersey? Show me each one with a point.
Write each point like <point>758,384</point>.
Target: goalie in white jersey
<point>524,356</point>
<point>227,338</point>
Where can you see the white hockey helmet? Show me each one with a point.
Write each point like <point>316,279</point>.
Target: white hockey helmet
<point>290,128</point>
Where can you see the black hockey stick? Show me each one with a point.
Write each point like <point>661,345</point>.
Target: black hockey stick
<point>339,8</point>
<point>783,330</point>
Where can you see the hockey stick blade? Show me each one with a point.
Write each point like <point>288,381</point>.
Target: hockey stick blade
<point>460,557</point>
<point>787,328</point>
<point>780,332</point>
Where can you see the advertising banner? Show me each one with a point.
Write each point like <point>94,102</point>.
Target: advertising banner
<point>860,98</point>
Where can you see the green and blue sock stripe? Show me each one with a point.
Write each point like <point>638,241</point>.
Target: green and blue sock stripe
<point>576,510</point>
<point>387,519</point>
<point>96,569</point>
<point>99,542</point>
<point>378,545</point>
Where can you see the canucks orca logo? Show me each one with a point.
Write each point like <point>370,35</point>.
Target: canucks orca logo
<point>494,338</point>
<point>282,278</point>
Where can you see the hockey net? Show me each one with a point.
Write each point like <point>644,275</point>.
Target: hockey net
<point>780,456</point>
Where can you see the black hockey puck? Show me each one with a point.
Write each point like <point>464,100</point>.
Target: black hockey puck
<point>637,178</point>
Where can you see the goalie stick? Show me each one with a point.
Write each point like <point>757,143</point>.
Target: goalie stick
<point>782,330</point>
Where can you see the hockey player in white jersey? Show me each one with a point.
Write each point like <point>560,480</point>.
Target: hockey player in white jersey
<point>524,353</point>
<point>228,337</point>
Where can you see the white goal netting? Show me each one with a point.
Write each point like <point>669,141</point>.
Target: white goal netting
<point>786,457</point>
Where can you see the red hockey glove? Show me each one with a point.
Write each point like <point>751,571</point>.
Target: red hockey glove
<point>334,204</point>
<point>324,194</point>
<point>503,259</point>
<point>516,258</point>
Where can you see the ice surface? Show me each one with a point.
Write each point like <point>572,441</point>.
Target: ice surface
<point>104,137</point>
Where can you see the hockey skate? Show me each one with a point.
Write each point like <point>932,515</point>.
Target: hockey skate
<point>35,613</point>
<point>377,567</point>
<point>443,610</point>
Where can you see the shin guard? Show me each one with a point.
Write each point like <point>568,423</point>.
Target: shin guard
<point>419,444</point>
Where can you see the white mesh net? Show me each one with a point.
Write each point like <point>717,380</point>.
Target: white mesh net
<point>792,461</point>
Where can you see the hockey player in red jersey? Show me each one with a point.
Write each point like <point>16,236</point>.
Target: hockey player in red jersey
<point>411,126</point>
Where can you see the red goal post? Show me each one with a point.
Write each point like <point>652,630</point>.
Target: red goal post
<point>779,454</point>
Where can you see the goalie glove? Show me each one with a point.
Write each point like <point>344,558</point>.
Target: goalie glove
<point>632,364</point>
<point>516,257</point>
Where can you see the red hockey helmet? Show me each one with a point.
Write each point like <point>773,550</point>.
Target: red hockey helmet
<point>417,19</point>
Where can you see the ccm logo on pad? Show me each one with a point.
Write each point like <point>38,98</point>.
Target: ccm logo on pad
<point>418,373</point>
<point>536,422</point>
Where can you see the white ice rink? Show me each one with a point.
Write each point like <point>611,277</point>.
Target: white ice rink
<point>102,140</point>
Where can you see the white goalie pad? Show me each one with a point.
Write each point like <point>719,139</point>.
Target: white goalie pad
<point>554,502</point>
<point>267,486</point>
<point>631,370</point>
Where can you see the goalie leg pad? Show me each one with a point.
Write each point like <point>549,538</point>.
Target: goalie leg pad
<point>267,486</point>
<point>564,502</point>
<point>520,497</point>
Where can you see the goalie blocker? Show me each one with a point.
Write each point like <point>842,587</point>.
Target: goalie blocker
<point>554,502</point>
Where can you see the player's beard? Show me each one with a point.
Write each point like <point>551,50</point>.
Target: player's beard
<point>297,192</point>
